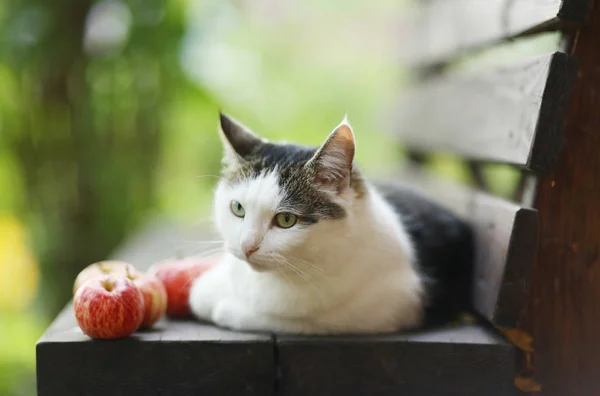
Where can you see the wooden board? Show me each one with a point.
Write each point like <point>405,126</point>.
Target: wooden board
<point>463,361</point>
<point>513,114</point>
<point>563,315</point>
<point>189,358</point>
<point>506,237</point>
<point>436,30</point>
<point>176,358</point>
<point>192,358</point>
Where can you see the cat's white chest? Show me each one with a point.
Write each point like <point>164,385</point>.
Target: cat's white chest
<point>360,299</point>
<point>282,293</point>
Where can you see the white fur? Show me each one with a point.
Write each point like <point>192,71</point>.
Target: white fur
<point>354,275</point>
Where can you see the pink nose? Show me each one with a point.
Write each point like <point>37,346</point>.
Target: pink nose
<point>249,251</point>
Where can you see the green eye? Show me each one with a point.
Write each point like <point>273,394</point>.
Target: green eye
<point>285,220</point>
<point>237,209</point>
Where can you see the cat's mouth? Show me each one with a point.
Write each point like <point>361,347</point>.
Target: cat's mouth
<point>257,266</point>
<point>255,263</point>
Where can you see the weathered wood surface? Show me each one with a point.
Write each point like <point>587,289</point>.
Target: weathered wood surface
<point>463,361</point>
<point>176,358</point>
<point>505,242</point>
<point>563,314</point>
<point>191,358</point>
<point>513,114</point>
<point>435,30</point>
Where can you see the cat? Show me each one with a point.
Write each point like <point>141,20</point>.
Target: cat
<point>311,247</point>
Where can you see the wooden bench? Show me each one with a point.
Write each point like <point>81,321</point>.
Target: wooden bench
<point>513,114</point>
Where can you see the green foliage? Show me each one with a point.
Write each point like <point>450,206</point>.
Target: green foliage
<point>17,331</point>
<point>82,125</point>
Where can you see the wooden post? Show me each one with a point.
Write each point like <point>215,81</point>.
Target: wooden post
<point>563,313</point>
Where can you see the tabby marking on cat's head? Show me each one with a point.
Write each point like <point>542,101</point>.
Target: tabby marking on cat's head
<point>275,196</point>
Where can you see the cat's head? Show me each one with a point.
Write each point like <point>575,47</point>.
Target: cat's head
<point>278,201</point>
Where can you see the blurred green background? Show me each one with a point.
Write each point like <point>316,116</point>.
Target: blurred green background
<point>108,117</point>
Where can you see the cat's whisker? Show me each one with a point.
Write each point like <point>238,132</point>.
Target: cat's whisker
<point>214,176</point>
<point>286,263</point>
<point>293,262</point>
<point>305,273</point>
<point>210,251</point>
<point>202,253</point>
<point>187,249</point>
<point>300,273</point>
<point>310,266</point>
<point>297,271</point>
<point>203,220</point>
<point>196,245</point>
<point>282,273</point>
<point>200,242</point>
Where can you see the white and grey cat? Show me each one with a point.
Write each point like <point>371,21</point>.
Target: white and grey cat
<point>311,247</point>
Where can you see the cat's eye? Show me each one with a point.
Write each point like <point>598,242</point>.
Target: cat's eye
<point>237,209</point>
<point>285,220</point>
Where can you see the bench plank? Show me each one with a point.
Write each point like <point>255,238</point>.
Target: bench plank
<point>175,358</point>
<point>467,360</point>
<point>439,29</point>
<point>513,114</point>
<point>563,315</point>
<point>506,237</point>
<point>192,358</point>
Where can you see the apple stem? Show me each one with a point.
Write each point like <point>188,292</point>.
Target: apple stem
<point>108,285</point>
<point>128,274</point>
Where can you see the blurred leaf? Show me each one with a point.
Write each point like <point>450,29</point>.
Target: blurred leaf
<point>450,167</point>
<point>18,269</point>
<point>503,179</point>
<point>19,332</point>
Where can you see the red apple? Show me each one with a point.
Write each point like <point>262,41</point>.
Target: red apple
<point>109,307</point>
<point>99,269</point>
<point>177,275</point>
<point>155,297</point>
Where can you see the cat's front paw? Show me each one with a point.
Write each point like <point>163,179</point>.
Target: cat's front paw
<point>207,290</point>
<point>201,300</point>
<point>228,313</point>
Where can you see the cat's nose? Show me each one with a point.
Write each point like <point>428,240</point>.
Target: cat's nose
<point>249,250</point>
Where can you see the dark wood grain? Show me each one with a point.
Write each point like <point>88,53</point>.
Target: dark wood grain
<point>505,242</point>
<point>563,314</point>
<point>547,143</point>
<point>175,358</point>
<point>462,361</point>
<point>434,31</point>
<point>514,288</point>
<point>575,10</point>
<point>513,114</point>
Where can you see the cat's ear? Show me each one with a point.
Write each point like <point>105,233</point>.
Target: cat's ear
<point>239,141</point>
<point>332,163</point>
